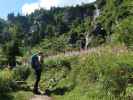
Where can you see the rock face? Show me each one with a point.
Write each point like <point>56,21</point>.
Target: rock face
<point>41,97</point>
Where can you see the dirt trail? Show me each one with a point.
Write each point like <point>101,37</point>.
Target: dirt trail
<point>41,97</point>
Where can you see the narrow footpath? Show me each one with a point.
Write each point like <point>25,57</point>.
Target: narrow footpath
<point>41,97</point>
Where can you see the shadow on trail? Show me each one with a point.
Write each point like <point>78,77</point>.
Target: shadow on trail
<point>58,91</point>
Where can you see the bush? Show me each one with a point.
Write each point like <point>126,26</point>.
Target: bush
<point>54,45</point>
<point>6,81</point>
<point>116,81</point>
<point>125,29</point>
<point>21,73</point>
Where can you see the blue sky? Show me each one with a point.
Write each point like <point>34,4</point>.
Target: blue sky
<point>7,6</point>
<point>28,6</point>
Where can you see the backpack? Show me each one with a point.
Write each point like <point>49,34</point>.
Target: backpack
<point>35,62</point>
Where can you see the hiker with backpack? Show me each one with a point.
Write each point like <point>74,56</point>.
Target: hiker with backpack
<point>36,63</point>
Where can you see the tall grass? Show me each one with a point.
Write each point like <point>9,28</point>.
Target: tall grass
<point>99,74</point>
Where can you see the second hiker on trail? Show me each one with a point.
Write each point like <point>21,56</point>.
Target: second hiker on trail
<point>36,63</point>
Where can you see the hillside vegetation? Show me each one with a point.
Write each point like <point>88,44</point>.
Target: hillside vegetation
<point>103,73</point>
<point>117,18</point>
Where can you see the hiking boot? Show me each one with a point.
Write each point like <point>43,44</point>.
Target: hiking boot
<point>36,92</point>
<point>47,92</point>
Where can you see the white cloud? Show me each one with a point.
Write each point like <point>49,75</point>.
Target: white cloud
<point>47,4</point>
<point>29,8</point>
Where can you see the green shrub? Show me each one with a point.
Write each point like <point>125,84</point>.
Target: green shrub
<point>21,73</point>
<point>116,81</point>
<point>6,81</point>
<point>58,63</point>
<point>125,29</point>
